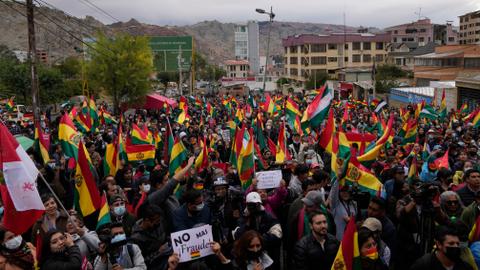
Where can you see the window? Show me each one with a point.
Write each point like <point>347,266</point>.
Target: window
<point>404,39</point>
<point>379,58</point>
<point>395,31</point>
<point>332,46</point>
<point>294,71</point>
<point>332,59</point>
<point>472,62</point>
<point>319,60</point>
<point>293,60</point>
<point>293,49</point>
<point>367,46</point>
<point>410,39</point>
<point>346,46</point>
<point>410,30</point>
<point>423,30</point>
<point>398,61</point>
<point>346,58</point>
<point>452,39</point>
<point>286,50</point>
<point>379,45</point>
<point>367,58</point>
<point>318,48</point>
<point>421,39</point>
<point>394,39</point>
<point>356,45</point>
<point>356,58</point>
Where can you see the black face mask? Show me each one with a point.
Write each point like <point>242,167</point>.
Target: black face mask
<point>453,253</point>
<point>252,208</point>
<point>252,255</point>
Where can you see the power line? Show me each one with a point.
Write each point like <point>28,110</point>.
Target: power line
<point>68,32</point>
<point>87,2</point>
<point>68,16</point>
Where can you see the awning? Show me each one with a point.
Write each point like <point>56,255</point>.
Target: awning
<point>156,101</point>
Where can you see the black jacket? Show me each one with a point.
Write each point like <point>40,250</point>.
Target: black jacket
<point>466,195</point>
<point>149,243</point>
<point>429,261</point>
<point>70,260</point>
<point>309,254</point>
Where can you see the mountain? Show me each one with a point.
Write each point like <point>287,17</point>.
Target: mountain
<point>213,39</point>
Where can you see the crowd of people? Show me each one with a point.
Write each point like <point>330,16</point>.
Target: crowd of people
<point>425,216</point>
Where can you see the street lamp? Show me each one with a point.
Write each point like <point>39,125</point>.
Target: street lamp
<point>271,15</point>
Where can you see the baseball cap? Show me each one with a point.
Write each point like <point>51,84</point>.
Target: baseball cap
<point>312,198</point>
<point>437,147</point>
<point>220,181</point>
<point>253,197</point>
<point>372,224</point>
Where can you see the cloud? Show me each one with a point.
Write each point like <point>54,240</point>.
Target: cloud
<point>378,13</point>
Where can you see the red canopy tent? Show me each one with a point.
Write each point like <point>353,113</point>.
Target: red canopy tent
<point>156,101</point>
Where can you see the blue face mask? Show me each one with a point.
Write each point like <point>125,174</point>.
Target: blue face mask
<point>119,210</point>
<point>1,210</point>
<point>118,238</point>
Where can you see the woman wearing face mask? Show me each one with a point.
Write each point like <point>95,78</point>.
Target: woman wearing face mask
<point>59,252</point>
<point>17,252</point>
<point>368,251</point>
<point>249,253</point>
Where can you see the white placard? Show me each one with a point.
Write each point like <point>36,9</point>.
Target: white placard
<point>192,244</point>
<point>268,179</point>
<point>226,135</point>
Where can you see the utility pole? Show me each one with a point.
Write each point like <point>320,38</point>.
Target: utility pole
<point>32,56</point>
<point>179,58</point>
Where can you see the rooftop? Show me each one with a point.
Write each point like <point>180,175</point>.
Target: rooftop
<point>334,38</point>
<point>236,62</point>
<point>424,91</point>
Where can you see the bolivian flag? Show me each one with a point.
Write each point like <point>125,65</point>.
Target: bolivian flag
<point>42,144</point>
<point>10,104</point>
<point>356,173</point>
<point>104,215</point>
<point>282,151</point>
<point>178,154</point>
<point>245,160</point>
<point>141,136</point>
<point>140,152</point>
<point>68,136</point>
<point>348,255</point>
<point>110,160</point>
<point>87,198</point>
<point>201,162</point>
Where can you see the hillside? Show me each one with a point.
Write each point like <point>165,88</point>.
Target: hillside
<point>213,39</point>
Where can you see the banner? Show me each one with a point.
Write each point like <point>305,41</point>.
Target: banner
<point>192,244</point>
<point>268,179</point>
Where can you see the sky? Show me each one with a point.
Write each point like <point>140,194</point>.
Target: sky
<point>375,13</point>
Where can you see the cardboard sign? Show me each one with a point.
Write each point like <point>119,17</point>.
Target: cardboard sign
<point>192,244</point>
<point>268,179</point>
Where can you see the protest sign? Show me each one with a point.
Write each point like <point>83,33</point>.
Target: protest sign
<point>192,244</point>
<point>268,179</point>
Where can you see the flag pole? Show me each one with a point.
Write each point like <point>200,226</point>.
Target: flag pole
<point>56,197</point>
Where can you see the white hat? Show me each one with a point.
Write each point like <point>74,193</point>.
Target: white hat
<point>182,134</point>
<point>253,197</point>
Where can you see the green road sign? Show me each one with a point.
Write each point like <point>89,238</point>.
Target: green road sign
<point>166,51</point>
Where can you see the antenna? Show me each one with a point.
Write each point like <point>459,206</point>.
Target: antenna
<point>419,13</point>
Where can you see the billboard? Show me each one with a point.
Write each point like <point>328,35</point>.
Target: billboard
<point>166,50</point>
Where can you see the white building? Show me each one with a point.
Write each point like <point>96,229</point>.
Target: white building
<point>247,44</point>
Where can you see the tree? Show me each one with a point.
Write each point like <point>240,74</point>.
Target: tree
<point>386,76</point>
<point>316,79</point>
<point>121,66</point>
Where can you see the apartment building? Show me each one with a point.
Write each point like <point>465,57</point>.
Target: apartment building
<point>470,28</point>
<point>445,63</point>
<point>247,44</point>
<point>237,68</point>
<point>308,53</point>
<point>423,31</point>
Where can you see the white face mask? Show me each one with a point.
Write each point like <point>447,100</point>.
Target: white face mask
<point>146,187</point>
<point>14,243</point>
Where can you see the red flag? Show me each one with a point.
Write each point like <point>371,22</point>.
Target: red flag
<point>22,203</point>
<point>442,162</point>
<point>140,202</point>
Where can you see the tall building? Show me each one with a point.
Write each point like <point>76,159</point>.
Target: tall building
<point>423,31</point>
<point>247,44</point>
<point>305,55</point>
<point>470,28</point>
